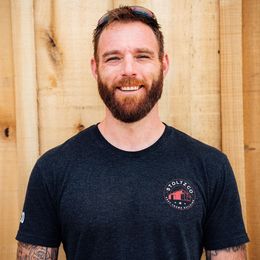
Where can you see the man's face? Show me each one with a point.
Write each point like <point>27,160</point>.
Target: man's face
<point>129,72</point>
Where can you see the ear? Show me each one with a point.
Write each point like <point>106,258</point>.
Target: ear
<point>165,64</point>
<point>94,67</point>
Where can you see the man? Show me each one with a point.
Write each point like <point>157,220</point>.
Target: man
<point>131,187</point>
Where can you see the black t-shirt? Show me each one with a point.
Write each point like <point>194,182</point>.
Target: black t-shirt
<point>168,201</point>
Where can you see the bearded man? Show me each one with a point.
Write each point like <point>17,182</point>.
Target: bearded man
<point>131,187</point>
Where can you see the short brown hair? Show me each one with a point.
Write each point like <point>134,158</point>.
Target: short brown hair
<point>126,14</point>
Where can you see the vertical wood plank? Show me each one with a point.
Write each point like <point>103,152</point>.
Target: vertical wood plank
<point>68,96</point>
<point>8,164</point>
<point>232,89</point>
<point>251,79</point>
<point>191,99</point>
<point>25,90</point>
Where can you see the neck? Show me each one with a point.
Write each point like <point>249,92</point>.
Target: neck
<point>132,136</point>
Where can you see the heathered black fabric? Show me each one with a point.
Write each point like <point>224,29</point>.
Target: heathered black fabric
<point>105,203</point>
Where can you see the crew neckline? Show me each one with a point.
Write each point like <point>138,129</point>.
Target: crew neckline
<point>104,144</point>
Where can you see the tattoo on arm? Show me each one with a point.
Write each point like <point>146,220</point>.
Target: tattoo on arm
<point>33,252</point>
<point>240,248</point>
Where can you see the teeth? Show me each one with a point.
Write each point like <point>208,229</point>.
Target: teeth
<point>131,88</point>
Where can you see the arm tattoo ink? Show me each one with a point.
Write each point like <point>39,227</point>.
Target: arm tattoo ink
<point>32,252</point>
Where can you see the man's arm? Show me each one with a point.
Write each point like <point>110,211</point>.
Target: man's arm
<point>231,253</point>
<point>33,252</point>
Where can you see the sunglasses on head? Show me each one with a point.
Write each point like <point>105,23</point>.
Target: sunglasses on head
<point>139,10</point>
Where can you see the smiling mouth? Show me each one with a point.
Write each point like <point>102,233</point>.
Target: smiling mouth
<point>130,88</point>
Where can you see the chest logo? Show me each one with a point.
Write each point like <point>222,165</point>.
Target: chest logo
<point>179,194</point>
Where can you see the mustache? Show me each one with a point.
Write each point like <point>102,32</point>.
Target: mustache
<point>129,81</point>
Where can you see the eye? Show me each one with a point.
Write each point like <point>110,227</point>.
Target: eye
<point>112,58</point>
<point>142,57</point>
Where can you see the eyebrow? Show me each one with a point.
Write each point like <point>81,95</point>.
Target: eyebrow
<point>144,50</point>
<point>108,53</point>
<point>137,50</point>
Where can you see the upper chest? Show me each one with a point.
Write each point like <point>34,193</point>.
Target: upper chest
<point>108,192</point>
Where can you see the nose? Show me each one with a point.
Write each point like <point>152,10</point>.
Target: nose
<point>128,67</point>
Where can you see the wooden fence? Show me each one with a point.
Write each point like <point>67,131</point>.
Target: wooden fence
<point>47,92</point>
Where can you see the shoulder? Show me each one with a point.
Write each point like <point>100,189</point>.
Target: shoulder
<point>71,149</point>
<point>58,162</point>
<point>204,162</point>
<point>194,148</point>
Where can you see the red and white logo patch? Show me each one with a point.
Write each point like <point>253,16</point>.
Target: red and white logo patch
<point>179,194</point>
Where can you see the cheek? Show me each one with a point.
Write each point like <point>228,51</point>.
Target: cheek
<point>150,71</point>
<point>108,74</point>
<point>151,77</point>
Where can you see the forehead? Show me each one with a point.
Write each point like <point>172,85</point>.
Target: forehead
<point>127,36</point>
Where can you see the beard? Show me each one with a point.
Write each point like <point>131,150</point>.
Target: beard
<point>131,108</point>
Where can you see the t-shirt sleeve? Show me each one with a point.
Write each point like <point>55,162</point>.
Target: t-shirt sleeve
<point>39,222</point>
<point>224,225</point>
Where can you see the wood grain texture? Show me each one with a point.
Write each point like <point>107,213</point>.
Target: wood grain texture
<point>232,90</point>
<point>25,90</point>
<point>8,163</point>
<point>191,100</point>
<point>251,79</point>
<point>68,97</point>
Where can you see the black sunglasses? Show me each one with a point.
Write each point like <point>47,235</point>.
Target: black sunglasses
<point>139,10</point>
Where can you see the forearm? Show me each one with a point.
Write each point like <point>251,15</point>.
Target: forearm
<point>231,253</point>
<point>33,252</point>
